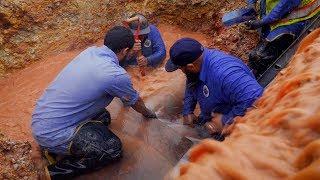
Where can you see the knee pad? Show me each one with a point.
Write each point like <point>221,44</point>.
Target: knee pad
<point>112,147</point>
<point>95,140</point>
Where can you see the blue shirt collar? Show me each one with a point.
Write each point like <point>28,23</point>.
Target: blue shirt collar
<point>105,51</point>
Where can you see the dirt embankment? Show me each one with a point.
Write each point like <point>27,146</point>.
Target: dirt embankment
<point>204,16</point>
<point>31,30</point>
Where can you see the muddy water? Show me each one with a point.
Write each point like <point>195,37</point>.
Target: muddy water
<point>278,140</point>
<point>151,148</point>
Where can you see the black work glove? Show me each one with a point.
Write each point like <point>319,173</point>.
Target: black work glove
<point>253,24</point>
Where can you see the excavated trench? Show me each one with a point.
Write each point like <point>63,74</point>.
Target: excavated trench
<point>151,148</point>
<point>261,146</point>
<point>48,31</point>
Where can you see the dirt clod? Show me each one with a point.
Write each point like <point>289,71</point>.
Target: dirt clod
<point>15,160</point>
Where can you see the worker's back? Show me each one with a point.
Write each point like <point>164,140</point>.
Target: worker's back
<point>83,88</point>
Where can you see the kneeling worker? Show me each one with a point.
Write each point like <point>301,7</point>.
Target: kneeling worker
<point>70,118</point>
<point>219,82</point>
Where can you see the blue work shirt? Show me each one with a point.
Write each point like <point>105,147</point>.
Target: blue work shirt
<point>226,86</point>
<point>81,90</point>
<point>283,8</point>
<point>153,48</point>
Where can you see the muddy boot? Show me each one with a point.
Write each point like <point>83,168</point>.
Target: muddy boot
<point>66,169</point>
<point>266,53</point>
<point>260,59</point>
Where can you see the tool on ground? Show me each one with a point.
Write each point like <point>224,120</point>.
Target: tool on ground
<point>136,38</point>
<point>238,16</point>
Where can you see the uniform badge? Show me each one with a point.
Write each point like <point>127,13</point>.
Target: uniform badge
<point>206,91</point>
<point>147,43</point>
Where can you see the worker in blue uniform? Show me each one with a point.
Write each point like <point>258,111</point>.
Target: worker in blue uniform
<point>150,43</point>
<point>219,82</point>
<point>281,22</point>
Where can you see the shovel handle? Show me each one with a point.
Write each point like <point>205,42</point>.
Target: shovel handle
<point>136,38</point>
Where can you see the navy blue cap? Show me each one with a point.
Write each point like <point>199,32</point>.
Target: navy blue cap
<point>183,52</point>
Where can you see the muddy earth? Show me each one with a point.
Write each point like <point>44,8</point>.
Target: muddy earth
<point>15,160</point>
<point>22,88</point>
<point>31,30</point>
<point>38,38</point>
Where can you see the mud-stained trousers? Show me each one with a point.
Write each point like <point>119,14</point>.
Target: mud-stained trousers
<point>92,147</point>
<point>267,52</point>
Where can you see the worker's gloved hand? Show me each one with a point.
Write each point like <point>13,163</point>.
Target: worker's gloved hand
<point>142,61</point>
<point>253,24</point>
<point>150,115</point>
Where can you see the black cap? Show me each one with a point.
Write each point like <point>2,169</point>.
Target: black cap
<point>183,52</point>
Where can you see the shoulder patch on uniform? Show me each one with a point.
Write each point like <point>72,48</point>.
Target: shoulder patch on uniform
<point>206,91</point>
<point>147,43</point>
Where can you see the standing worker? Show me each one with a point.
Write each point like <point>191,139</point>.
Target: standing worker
<point>281,22</point>
<point>70,117</point>
<point>219,82</point>
<point>149,42</point>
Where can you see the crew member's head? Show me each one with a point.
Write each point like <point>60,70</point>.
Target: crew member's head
<point>186,54</point>
<point>120,40</point>
<point>144,26</point>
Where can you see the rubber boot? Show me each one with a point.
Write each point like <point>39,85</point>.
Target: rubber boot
<point>67,168</point>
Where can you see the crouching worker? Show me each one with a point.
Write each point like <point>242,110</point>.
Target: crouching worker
<point>219,82</point>
<point>281,22</point>
<point>148,42</point>
<point>70,118</point>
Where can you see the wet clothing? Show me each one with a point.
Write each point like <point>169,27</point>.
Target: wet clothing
<point>81,90</point>
<point>283,8</point>
<point>226,85</point>
<point>92,147</point>
<point>153,48</point>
